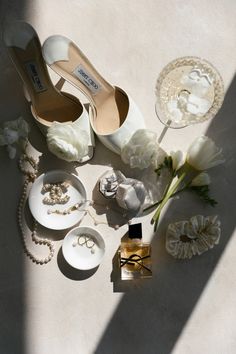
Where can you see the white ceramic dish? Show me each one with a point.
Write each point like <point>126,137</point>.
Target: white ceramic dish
<point>39,210</point>
<point>80,256</point>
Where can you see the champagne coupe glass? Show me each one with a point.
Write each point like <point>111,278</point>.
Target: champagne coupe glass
<point>189,90</point>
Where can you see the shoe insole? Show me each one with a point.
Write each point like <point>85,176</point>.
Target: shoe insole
<point>110,103</point>
<point>49,103</point>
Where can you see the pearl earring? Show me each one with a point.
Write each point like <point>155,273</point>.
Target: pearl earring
<point>85,240</point>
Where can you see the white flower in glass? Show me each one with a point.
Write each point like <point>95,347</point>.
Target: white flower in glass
<point>14,132</point>
<point>67,141</point>
<point>174,108</point>
<point>190,99</point>
<point>204,154</point>
<point>203,179</point>
<point>142,150</point>
<point>197,105</point>
<point>197,82</point>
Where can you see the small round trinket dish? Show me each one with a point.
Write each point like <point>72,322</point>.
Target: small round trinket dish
<point>83,248</point>
<point>57,200</point>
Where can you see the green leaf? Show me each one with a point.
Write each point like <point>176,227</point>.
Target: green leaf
<point>203,193</point>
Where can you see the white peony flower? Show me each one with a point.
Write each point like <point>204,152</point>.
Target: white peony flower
<point>142,150</point>
<point>13,132</point>
<point>9,136</point>
<point>178,159</point>
<point>67,141</point>
<point>203,179</point>
<point>204,154</point>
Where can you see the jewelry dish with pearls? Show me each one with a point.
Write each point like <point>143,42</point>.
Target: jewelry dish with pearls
<point>73,194</point>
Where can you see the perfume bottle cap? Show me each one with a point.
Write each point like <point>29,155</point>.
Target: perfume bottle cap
<point>135,231</point>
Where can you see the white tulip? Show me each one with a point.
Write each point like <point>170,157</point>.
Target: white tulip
<point>67,141</point>
<point>178,159</point>
<point>204,154</point>
<point>203,179</point>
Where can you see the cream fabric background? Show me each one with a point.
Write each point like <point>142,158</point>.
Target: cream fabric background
<point>188,306</point>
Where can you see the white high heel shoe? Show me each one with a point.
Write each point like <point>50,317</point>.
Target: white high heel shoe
<point>48,104</point>
<point>114,116</point>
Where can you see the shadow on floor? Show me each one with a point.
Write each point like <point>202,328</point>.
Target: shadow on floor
<point>12,303</point>
<point>152,314</point>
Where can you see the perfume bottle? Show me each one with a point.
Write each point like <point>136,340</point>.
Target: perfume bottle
<point>134,255</point>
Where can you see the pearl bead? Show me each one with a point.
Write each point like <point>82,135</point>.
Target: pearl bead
<point>30,177</point>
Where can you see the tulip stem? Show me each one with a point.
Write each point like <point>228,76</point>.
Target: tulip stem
<point>169,193</point>
<point>159,201</point>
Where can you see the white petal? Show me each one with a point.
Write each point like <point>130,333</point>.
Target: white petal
<point>196,82</point>
<point>203,179</point>
<point>11,136</point>
<point>67,141</point>
<point>194,75</point>
<point>177,115</point>
<point>142,150</point>
<point>203,154</point>
<point>197,105</point>
<point>3,140</point>
<point>23,128</point>
<point>172,105</point>
<point>11,151</point>
<point>205,81</point>
<point>178,159</point>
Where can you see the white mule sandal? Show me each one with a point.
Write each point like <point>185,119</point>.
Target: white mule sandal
<point>114,116</point>
<point>48,104</point>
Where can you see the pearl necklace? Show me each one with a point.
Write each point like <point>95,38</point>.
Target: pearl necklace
<point>30,177</point>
